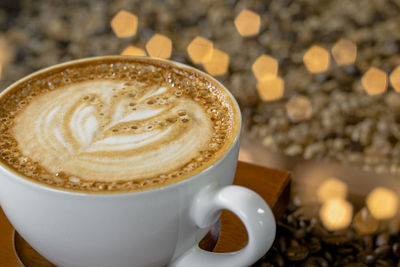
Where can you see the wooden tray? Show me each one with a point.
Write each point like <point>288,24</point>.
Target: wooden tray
<point>227,235</point>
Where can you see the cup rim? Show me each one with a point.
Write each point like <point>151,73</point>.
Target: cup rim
<point>39,186</point>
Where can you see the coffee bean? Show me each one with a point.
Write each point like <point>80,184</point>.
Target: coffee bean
<point>296,253</point>
<point>291,220</point>
<point>355,264</point>
<point>319,231</point>
<point>382,239</point>
<point>341,261</point>
<point>336,240</point>
<point>300,234</point>
<point>316,262</point>
<point>384,263</point>
<point>328,256</point>
<point>278,260</point>
<point>314,246</point>
<point>286,227</point>
<point>368,241</point>
<point>345,250</point>
<point>358,245</point>
<point>366,256</point>
<point>282,243</point>
<point>396,249</point>
<point>266,264</point>
<point>382,251</point>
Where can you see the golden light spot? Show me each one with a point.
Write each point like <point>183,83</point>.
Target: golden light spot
<point>374,81</point>
<point>247,23</point>
<point>331,188</point>
<point>218,64</point>
<point>382,203</point>
<point>133,51</point>
<point>316,59</point>
<point>200,50</point>
<point>271,89</point>
<point>336,214</point>
<point>364,223</point>
<point>344,52</point>
<point>299,108</point>
<point>124,24</point>
<point>395,79</point>
<point>265,67</point>
<point>159,46</point>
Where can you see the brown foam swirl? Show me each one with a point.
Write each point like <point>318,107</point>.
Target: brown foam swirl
<point>108,130</point>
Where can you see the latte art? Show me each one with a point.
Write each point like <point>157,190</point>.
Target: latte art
<point>111,131</point>
<point>115,124</point>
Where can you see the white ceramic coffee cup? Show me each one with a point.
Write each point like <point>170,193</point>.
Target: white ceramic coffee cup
<point>155,227</point>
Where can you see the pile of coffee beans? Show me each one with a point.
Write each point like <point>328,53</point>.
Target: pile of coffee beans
<point>302,241</point>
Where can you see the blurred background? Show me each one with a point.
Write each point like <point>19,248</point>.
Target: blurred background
<point>317,81</point>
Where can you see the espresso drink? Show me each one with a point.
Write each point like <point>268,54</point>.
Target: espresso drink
<point>115,124</point>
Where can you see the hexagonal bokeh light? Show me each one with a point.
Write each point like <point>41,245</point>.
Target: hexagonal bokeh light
<point>265,67</point>
<point>247,23</point>
<point>218,64</point>
<point>383,203</point>
<point>395,79</point>
<point>374,81</point>
<point>124,24</point>
<point>336,214</point>
<point>331,188</point>
<point>271,89</point>
<point>316,59</point>
<point>133,51</point>
<point>200,50</point>
<point>344,52</point>
<point>299,109</point>
<point>159,46</point>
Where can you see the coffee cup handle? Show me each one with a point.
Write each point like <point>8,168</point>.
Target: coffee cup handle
<point>251,209</point>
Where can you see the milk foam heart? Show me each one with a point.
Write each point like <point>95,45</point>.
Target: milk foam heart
<point>93,128</point>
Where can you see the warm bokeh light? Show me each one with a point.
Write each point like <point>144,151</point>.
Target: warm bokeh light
<point>395,79</point>
<point>271,89</point>
<point>200,50</point>
<point>344,52</point>
<point>265,67</point>
<point>124,24</point>
<point>7,54</point>
<point>316,59</point>
<point>331,188</point>
<point>247,23</point>
<point>336,214</point>
<point>382,203</point>
<point>374,81</point>
<point>159,46</point>
<point>364,223</point>
<point>133,51</point>
<point>299,109</point>
<point>218,64</point>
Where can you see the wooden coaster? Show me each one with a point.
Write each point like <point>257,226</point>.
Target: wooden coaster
<point>227,235</point>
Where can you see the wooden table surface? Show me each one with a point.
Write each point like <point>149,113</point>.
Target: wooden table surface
<point>229,235</point>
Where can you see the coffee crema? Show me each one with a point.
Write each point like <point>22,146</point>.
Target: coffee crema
<point>115,124</point>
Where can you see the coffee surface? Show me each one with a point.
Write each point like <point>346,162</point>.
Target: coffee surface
<point>115,124</point>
